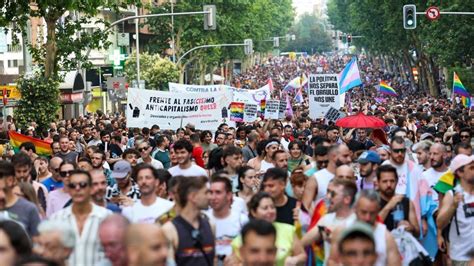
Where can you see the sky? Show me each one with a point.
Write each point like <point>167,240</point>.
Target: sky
<point>303,6</point>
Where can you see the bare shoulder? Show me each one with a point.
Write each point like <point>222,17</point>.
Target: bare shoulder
<point>171,233</point>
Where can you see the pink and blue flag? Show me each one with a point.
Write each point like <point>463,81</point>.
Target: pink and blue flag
<point>299,96</point>
<point>349,77</point>
<point>289,109</point>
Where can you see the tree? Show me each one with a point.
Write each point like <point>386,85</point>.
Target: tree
<point>236,21</point>
<point>441,43</point>
<point>156,71</point>
<point>64,47</point>
<point>312,36</point>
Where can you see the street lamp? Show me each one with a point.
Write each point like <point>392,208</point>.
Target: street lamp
<point>248,46</point>
<point>209,11</point>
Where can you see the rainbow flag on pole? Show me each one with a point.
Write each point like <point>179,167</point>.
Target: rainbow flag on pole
<point>384,88</point>
<point>237,111</point>
<point>43,148</point>
<point>458,87</point>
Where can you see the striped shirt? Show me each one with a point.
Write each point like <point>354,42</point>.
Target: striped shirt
<point>87,249</point>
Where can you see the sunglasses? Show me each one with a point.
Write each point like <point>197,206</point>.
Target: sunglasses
<point>322,162</point>
<point>143,149</point>
<point>465,136</point>
<point>399,150</point>
<point>80,184</point>
<point>65,173</point>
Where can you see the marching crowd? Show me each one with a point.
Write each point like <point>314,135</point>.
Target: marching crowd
<point>295,191</point>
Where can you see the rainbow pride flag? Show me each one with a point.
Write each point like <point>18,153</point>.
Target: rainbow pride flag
<point>384,88</point>
<point>458,88</point>
<point>466,101</point>
<point>43,148</point>
<point>316,252</point>
<point>445,182</point>
<point>237,111</point>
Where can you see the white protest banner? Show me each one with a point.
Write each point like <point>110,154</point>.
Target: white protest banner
<point>250,112</point>
<point>323,93</point>
<point>251,96</point>
<point>272,109</point>
<point>176,87</point>
<point>171,110</point>
<point>281,109</point>
<point>191,88</point>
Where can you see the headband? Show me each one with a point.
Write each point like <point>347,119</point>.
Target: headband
<point>273,142</point>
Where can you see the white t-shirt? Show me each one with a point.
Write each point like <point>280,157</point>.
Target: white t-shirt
<point>139,213</point>
<point>330,221</point>
<point>404,175</point>
<point>323,177</point>
<point>154,163</point>
<point>432,176</point>
<point>264,166</point>
<point>194,170</point>
<point>226,230</point>
<point>239,205</point>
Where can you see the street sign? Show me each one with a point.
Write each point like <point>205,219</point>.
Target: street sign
<point>432,13</point>
<point>123,39</point>
<point>116,83</point>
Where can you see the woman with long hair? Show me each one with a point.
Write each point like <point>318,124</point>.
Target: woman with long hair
<point>26,191</point>
<point>249,183</point>
<point>297,156</point>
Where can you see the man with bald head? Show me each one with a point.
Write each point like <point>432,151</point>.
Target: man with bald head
<point>112,237</point>
<point>438,168</point>
<point>55,181</point>
<point>146,245</point>
<point>317,184</point>
<point>345,172</point>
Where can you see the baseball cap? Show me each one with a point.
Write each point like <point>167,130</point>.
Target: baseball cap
<point>459,161</point>
<point>357,228</point>
<point>426,136</point>
<point>369,157</point>
<point>121,169</point>
<point>189,125</point>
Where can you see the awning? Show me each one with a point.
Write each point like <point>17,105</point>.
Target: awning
<point>73,82</point>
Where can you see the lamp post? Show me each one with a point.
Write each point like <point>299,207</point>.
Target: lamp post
<point>210,23</point>
<point>210,46</point>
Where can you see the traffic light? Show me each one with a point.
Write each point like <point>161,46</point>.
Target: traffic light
<point>210,18</point>
<point>409,17</point>
<point>276,42</point>
<point>349,39</point>
<point>248,48</point>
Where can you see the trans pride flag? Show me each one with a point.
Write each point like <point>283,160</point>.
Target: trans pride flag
<point>349,77</point>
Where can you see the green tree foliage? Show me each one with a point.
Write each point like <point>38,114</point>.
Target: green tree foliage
<point>39,100</point>
<point>312,36</point>
<point>236,20</point>
<point>437,44</point>
<point>64,47</point>
<point>156,71</point>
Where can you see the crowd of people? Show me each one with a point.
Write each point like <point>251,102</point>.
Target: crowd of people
<point>296,191</point>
